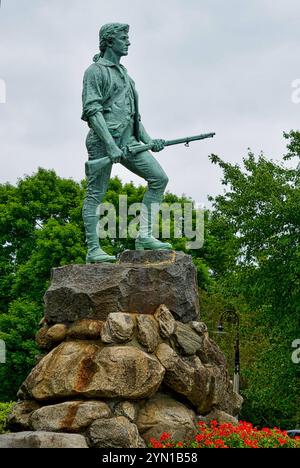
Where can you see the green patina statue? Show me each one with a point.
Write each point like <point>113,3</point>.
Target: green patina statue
<point>117,135</point>
<point>110,107</point>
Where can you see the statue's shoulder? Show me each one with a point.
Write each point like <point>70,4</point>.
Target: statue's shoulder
<point>92,69</point>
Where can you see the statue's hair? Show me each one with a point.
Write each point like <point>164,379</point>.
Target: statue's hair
<point>108,32</point>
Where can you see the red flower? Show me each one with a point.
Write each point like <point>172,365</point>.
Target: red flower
<point>165,436</point>
<point>208,443</point>
<point>282,441</point>
<point>155,443</point>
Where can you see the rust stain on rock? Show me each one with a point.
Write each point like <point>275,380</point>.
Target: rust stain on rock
<point>87,370</point>
<point>68,420</point>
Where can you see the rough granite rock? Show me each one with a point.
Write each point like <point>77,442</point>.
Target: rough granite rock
<point>220,416</point>
<point>186,340</point>
<point>57,333</point>
<point>118,328</point>
<point>200,328</point>
<point>85,329</point>
<point>82,369</point>
<point>117,432</point>
<point>139,283</point>
<point>42,339</point>
<point>147,332</point>
<point>164,414</point>
<point>188,378</point>
<point>128,409</point>
<point>166,321</point>
<point>210,353</point>
<point>42,440</point>
<point>19,416</point>
<point>71,416</point>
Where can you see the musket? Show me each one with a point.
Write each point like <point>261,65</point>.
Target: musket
<point>94,166</point>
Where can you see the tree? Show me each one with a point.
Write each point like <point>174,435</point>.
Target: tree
<point>261,209</point>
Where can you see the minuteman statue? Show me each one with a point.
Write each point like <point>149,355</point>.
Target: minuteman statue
<point>110,107</point>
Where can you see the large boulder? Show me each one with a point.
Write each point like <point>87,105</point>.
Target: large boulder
<point>42,440</point>
<point>139,283</point>
<point>83,369</point>
<point>164,414</point>
<point>188,378</point>
<point>70,416</point>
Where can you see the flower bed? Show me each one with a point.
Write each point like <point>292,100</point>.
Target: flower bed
<point>223,436</point>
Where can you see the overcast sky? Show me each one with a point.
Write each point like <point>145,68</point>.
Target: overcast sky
<point>199,65</point>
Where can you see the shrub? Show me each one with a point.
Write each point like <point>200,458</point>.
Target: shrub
<point>222,436</point>
<point>4,410</point>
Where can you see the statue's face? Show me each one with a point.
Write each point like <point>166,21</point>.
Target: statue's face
<point>121,43</point>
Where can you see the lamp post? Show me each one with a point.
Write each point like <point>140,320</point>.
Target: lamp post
<point>231,316</point>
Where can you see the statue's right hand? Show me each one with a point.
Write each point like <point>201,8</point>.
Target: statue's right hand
<point>115,154</point>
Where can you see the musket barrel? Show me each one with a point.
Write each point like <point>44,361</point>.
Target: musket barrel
<point>135,149</point>
<point>188,139</point>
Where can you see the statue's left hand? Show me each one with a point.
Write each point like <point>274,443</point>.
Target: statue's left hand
<point>158,145</point>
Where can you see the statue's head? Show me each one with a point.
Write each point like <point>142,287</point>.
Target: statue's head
<point>114,34</point>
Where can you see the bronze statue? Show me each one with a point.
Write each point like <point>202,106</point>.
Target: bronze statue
<point>117,135</point>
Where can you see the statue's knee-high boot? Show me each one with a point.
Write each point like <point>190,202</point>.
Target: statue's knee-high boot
<point>95,193</point>
<point>149,212</point>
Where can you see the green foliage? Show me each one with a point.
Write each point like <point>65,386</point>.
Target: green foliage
<point>249,261</point>
<point>4,410</point>
<point>17,329</point>
<point>260,213</point>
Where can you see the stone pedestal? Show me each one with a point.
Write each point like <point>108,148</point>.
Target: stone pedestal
<point>125,357</point>
<point>138,283</point>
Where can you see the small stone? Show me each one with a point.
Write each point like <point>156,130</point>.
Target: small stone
<point>86,329</point>
<point>57,333</point>
<point>19,416</point>
<point>118,328</point>
<point>148,333</point>
<point>42,339</point>
<point>199,327</point>
<point>165,321</point>
<point>210,353</point>
<point>126,409</point>
<point>117,432</point>
<point>186,340</point>
<point>221,417</point>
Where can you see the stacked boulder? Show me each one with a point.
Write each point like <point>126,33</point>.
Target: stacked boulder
<point>116,381</point>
